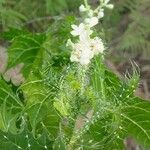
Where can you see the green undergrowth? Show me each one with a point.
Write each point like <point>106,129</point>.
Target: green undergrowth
<point>63,107</point>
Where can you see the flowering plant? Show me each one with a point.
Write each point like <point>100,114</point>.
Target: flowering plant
<point>86,47</point>
<point>63,105</point>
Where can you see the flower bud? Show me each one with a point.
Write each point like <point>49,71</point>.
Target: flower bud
<point>92,21</point>
<point>69,43</point>
<point>106,1</point>
<point>100,14</point>
<point>110,6</point>
<point>82,8</point>
<point>90,13</point>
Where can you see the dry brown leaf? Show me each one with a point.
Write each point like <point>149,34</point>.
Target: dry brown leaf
<point>3,59</point>
<point>14,75</point>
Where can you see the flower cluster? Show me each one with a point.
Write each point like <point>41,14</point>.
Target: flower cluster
<point>86,47</point>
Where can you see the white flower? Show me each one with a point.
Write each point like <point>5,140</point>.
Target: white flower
<point>85,36</point>
<point>87,47</point>
<point>83,31</point>
<point>82,52</point>
<point>77,50</point>
<point>106,1</point>
<point>75,56</point>
<point>110,6</point>
<point>101,14</point>
<point>82,8</point>
<point>69,43</point>
<point>90,13</point>
<point>85,57</point>
<point>97,46</point>
<point>78,30</point>
<point>92,21</point>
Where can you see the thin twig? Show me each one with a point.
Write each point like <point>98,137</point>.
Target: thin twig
<point>42,19</point>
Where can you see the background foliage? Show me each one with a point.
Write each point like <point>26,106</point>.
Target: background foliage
<point>48,111</point>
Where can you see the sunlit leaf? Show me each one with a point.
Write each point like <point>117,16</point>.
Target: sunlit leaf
<point>10,108</point>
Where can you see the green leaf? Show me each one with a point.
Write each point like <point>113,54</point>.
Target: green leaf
<point>112,122</point>
<point>24,141</point>
<point>136,120</point>
<point>10,108</point>
<point>25,49</point>
<point>39,107</point>
<point>108,130</point>
<point>39,99</point>
<point>56,45</point>
<point>59,144</point>
<point>13,33</point>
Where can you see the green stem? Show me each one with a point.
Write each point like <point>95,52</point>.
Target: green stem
<point>99,7</point>
<point>103,89</point>
<point>82,78</point>
<point>101,71</point>
<point>102,81</point>
<point>86,3</point>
